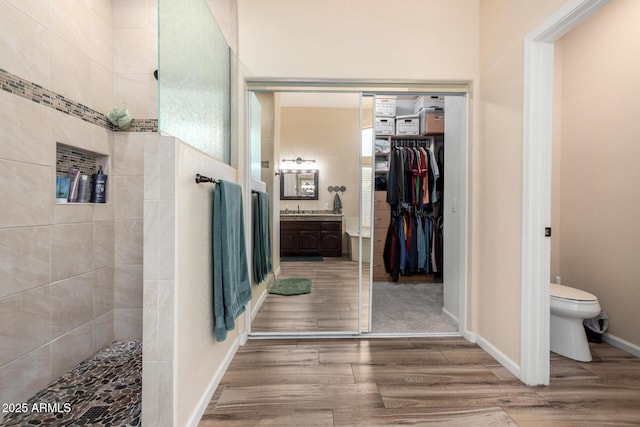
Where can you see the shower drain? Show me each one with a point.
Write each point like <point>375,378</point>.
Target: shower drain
<point>94,412</point>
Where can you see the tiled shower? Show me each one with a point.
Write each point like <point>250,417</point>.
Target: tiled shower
<point>70,274</point>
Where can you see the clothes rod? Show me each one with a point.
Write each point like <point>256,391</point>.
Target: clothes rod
<point>201,178</point>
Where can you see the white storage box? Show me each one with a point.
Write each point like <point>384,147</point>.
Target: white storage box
<point>408,125</point>
<point>427,102</point>
<point>385,106</point>
<point>431,122</point>
<point>384,126</point>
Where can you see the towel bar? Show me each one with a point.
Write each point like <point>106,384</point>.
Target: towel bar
<point>201,178</point>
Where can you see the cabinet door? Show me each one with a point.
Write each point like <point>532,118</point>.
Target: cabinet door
<point>331,243</point>
<point>288,242</point>
<point>309,243</point>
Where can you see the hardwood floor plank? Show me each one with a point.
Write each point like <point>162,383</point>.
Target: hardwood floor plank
<point>371,355</point>
<point>412,374</point>
<point>592,394</point>
<point>502,373</point>
<point>277,418</point>
<point>469,395</point>
<point>294,316</point>
<point>569,369</point>
<point>347,343</point>
<point>567,416</point>
<point>441,343</point>
<point>289,374</point>
<point>265,356</point>
<point>370,417</point>
<point>467,355</point>
<point>285,397</point>
<point>308,307</point>
<point>338,324</point>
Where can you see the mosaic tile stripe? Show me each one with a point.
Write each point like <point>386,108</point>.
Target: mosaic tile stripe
<point>36,93</point>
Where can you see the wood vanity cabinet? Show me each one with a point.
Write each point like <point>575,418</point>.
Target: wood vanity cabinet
<point>311,238</point>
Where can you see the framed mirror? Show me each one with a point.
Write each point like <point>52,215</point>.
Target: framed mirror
<point>299,184</point>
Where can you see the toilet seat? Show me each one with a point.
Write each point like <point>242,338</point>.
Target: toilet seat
<point>565,292</point>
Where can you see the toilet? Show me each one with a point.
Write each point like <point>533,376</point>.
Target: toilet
<point>569,307</point>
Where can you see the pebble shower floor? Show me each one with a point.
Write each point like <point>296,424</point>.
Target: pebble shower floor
<point>104,390</point>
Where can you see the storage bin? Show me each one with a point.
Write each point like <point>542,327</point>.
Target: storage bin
<point>428,102</point>
<point>431,122</point>
<point>384,125</point>
<point>408,125</point>
<point>385,106</point>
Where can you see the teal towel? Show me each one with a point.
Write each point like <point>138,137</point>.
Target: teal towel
<point>231,284</point>
<point>337,204</point>
<point>261,237</point>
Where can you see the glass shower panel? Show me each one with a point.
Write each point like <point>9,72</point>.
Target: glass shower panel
<point>366,209</point>
<point>255,133</point>
<point>194,77</point>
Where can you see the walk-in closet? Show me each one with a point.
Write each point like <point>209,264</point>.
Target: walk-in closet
<point>409,164</point>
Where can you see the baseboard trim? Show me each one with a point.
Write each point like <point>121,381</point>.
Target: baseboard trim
<point>198,411</point>
<point>622,344</point>
<point>470,336</point>
<point>450,315</point>
<point>499,356</point>
<point>256,309</point>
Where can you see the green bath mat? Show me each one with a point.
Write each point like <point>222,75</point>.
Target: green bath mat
<point>291,286</point>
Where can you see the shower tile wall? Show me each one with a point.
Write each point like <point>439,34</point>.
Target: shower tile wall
<point>56,261</point>
<point>70,275</point>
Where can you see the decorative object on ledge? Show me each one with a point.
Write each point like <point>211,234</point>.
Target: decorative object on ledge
<point>299,160</point>
<point>120,117</point>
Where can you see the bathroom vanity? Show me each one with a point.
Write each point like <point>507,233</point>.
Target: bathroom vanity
<point>311,233</point>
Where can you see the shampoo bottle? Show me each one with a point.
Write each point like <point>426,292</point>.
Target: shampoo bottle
<point>74,176</point>
<point>99,193</point>
<point>83,189</point>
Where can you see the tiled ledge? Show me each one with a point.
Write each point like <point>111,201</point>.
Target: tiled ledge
<point>36,93</point>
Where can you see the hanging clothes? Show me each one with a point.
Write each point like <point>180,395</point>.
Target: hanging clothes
<point>413,244</point>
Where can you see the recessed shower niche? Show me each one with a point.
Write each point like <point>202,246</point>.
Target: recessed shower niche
<point>87,163</point>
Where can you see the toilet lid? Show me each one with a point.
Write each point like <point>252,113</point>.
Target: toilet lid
<point>560,291</point>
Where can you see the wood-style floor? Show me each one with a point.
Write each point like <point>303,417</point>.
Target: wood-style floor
<point>332,304</point>
<point>416,381</point>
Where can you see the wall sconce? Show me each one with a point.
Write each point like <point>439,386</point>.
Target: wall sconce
<point>299,160</point>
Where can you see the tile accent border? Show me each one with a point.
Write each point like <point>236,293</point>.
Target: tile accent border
<point>36,93</point>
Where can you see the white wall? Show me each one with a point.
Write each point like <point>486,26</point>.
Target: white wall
<point>182,362</point>
<point>360,39</point>
<point>503,25</point>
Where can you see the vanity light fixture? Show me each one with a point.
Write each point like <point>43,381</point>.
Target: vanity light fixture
<point>281,171</point>
<point>299,160</point>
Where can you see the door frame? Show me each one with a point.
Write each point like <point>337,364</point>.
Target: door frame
<point>455,88</point>
<point>536,201</point>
